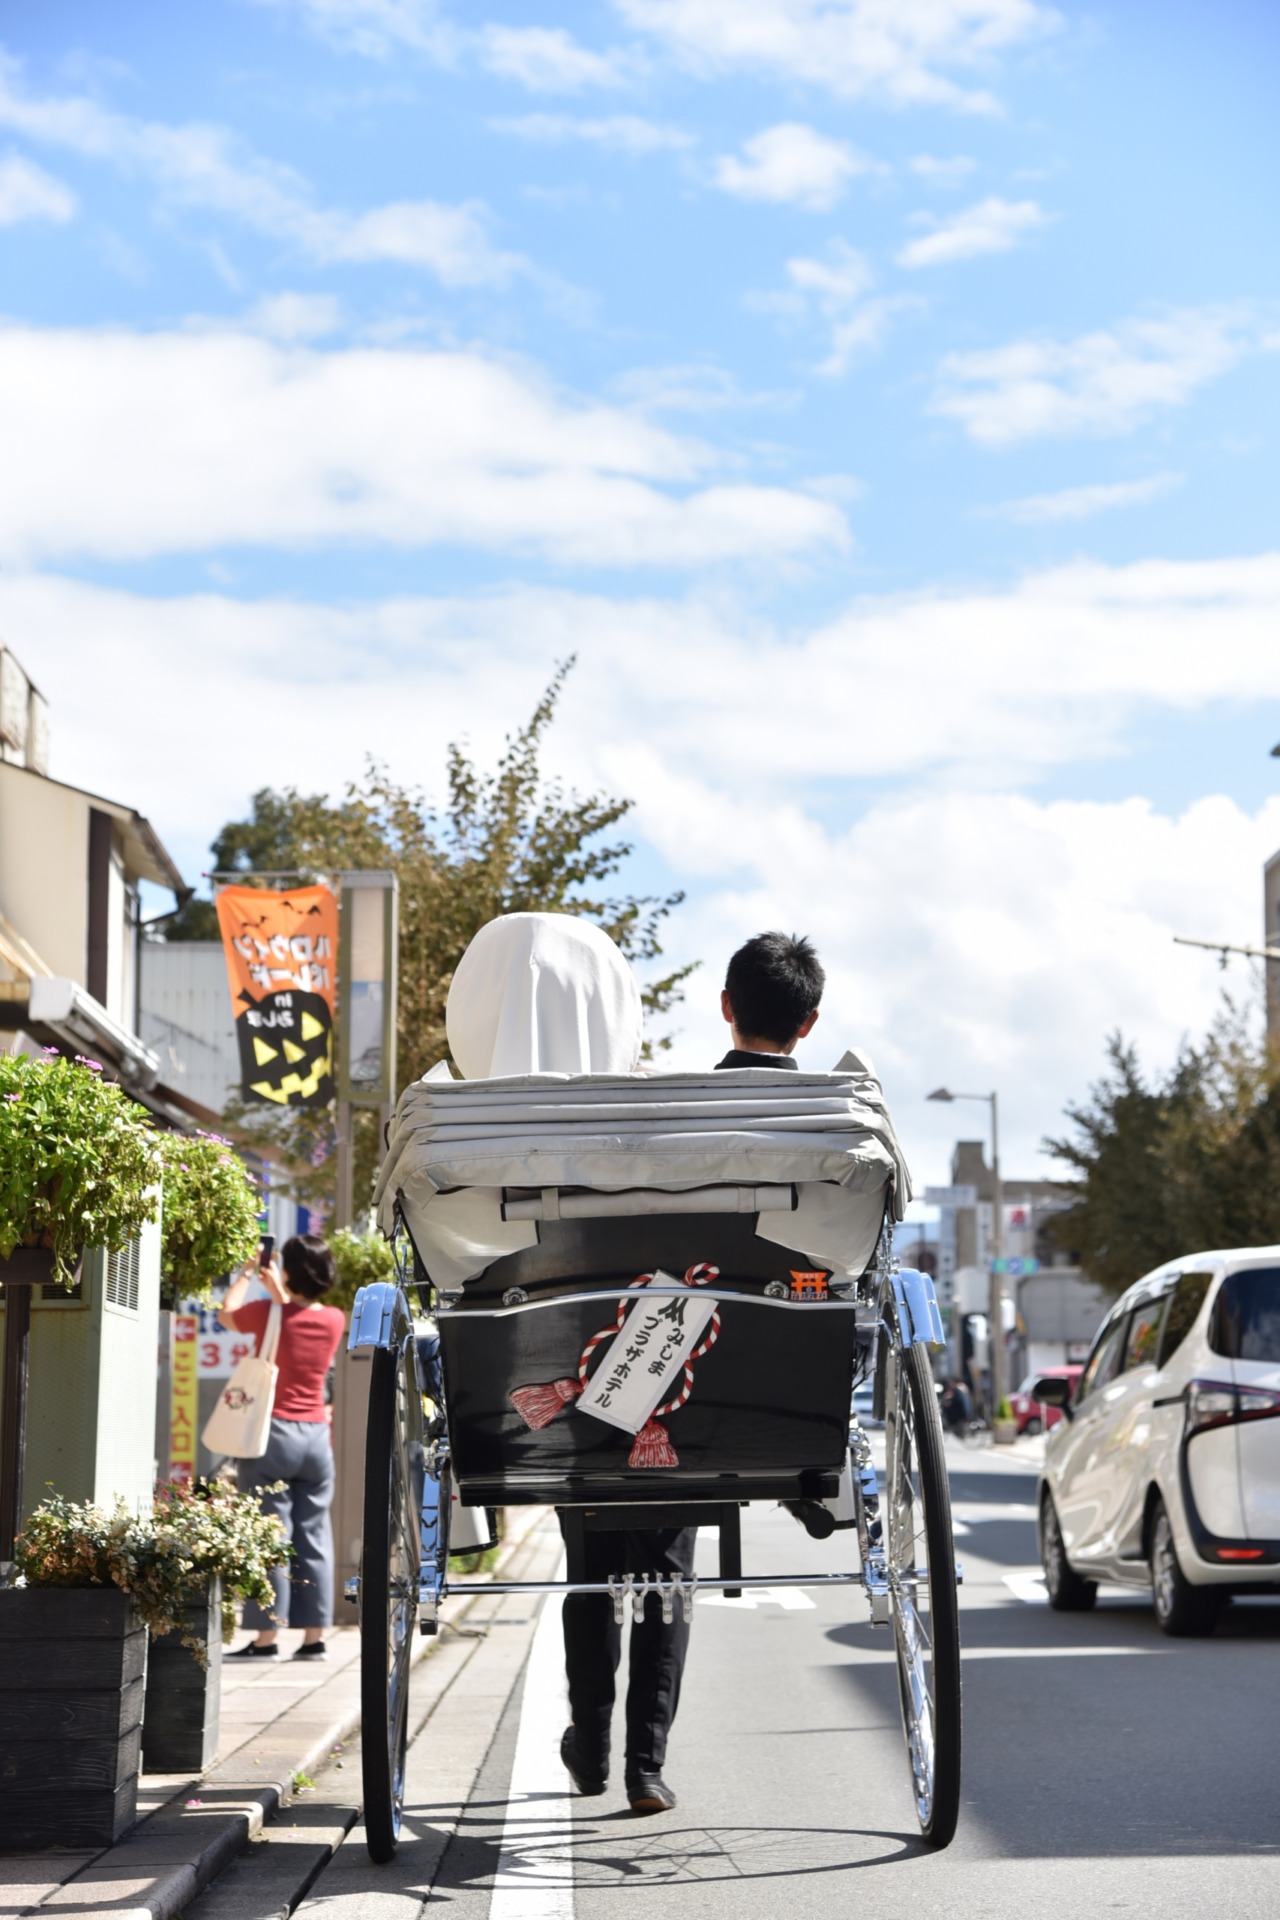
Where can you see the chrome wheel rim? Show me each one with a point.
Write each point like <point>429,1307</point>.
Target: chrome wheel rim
<point>909,1575</point>
<point>1163,1568</point>
<point>1053,1554</point>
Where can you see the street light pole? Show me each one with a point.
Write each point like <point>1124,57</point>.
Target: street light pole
<point>995,1298</point>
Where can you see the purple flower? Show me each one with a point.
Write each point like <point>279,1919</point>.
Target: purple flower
<point>52,1050</point>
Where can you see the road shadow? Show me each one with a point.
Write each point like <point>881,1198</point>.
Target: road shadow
<point>1097,1735</point>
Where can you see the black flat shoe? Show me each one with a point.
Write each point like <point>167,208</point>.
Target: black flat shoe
<point>314,1650</point>
<point>649,1793</point>
<point>251,1651</point>
<point>588,1776</point>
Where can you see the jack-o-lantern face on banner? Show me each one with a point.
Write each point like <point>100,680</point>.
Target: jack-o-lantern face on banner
<point>281,953</point>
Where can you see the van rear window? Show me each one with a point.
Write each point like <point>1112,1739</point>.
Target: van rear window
<point>1246,1316</point>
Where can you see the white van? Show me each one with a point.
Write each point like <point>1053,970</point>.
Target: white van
<point>1166,1471</point>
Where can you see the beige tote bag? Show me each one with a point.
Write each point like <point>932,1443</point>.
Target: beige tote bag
<point>240,1424</point>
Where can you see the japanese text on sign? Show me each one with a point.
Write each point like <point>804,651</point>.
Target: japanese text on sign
<point>647,1355</point>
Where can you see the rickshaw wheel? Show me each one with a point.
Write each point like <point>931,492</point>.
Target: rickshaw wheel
<point>924,1607</point>
<point>389,1587</point>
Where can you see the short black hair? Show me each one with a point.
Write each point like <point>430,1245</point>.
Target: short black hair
<point>774,983</point>
<point>308,1265</point>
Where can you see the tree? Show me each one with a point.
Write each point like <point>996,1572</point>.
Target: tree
<point>504,842</point>
<point>1187,1164</point>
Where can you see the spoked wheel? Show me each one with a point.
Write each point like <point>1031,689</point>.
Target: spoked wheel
<point>389,1587</point>
<point>916,1512</point>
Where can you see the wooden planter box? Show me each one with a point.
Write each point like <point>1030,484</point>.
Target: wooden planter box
<point>72,1662</point>
<point>180,1719</point>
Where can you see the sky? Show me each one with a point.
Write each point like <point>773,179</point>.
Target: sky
<point>878,400</point>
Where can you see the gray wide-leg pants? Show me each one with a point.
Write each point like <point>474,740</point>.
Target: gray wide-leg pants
<point>300,1454</point>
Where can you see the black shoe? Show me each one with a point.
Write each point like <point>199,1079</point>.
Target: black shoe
<point>313,1650</point>
<point>649,1793</point>
<point>588,1776</point>
<point>252,1651</point>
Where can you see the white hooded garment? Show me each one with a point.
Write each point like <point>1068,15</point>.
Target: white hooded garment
<point>543,993</point>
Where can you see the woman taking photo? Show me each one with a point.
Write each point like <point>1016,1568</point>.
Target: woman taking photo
<point>299,1451</point>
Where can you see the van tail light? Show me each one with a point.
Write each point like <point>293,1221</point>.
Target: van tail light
<point>1220,1403</point>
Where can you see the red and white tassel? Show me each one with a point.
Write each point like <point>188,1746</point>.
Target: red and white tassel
<point>652,1447</point>
<point>538,1406</point>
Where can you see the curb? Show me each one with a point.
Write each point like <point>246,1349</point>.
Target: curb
<point>200,1827</point>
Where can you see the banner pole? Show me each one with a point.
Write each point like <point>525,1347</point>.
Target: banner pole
<point>344,1199</point>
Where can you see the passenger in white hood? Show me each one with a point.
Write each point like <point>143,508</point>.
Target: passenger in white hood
<point>543,993</point>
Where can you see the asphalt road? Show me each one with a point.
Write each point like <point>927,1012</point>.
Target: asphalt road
<point>1107,1769</point>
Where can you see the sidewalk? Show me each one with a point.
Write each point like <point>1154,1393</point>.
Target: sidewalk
<point>280,1719</point>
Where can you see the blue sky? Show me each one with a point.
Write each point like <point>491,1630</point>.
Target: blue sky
<point>881,401</point>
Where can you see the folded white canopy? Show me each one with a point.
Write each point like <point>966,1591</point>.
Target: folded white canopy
<point>456,1144</point>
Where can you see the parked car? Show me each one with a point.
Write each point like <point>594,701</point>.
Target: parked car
<point>1166,1470</point>
<point>1031,1414</point>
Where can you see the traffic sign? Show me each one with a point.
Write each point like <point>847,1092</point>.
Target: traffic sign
<point>1015,1265</point>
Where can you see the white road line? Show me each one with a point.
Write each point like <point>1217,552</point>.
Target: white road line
<point>1048,1653</point>
<point>1029,1587</point>
<point>534,1877</point>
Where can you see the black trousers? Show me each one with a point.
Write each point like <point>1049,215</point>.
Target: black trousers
<point>593,1647</point>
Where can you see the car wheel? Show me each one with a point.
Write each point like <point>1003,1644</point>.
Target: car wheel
<point>1182,1610</point>
<point>1033,1426</point>
<point>1068,1592</point>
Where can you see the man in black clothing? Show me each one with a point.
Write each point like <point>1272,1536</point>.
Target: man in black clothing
<point>770,999</point>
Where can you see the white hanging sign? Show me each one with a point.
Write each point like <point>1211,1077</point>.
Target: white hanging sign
<point>647,1355</point>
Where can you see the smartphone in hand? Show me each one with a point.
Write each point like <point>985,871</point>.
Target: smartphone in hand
<point>266,1250</point>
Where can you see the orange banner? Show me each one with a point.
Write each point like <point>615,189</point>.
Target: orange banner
<point>281,953</point>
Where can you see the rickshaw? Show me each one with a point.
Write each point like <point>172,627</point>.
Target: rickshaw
<point>652,1298</point>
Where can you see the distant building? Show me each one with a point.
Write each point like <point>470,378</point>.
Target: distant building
<point>185,1018</point>
<point>71,866</point>
<point>1055,1311</point>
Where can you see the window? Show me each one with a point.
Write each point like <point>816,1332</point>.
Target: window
<point>1144,1333</point>
<point>1246,1317</point>
<point>122,1277</point>
<point>1184,1304</point>
<point>1104,1361</point>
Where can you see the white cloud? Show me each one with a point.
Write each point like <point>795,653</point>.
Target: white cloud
<point>836,288</point>
<point>694,388</point>
<point>967,925</point>
<point>376,28</point>
<point>992,226</point>
<point>204,166</point>
<point>905,53</point>
<point>295,316</point>
<point>943,173</point>
<point>792,164</point>
<point>122,445</point>
<point>27,192</point>
<point>621,132</point>
<point>1099,383</point>
<point>548,60</point>
<point>1082,503</point>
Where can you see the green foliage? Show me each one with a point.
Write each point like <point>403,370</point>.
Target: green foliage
<point>209,1215</point>
<point>78,1160</point>
<point>165,1559</point>
<point>505,842</point>
<point>360,1259</point>
<point>1179,1165</point>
